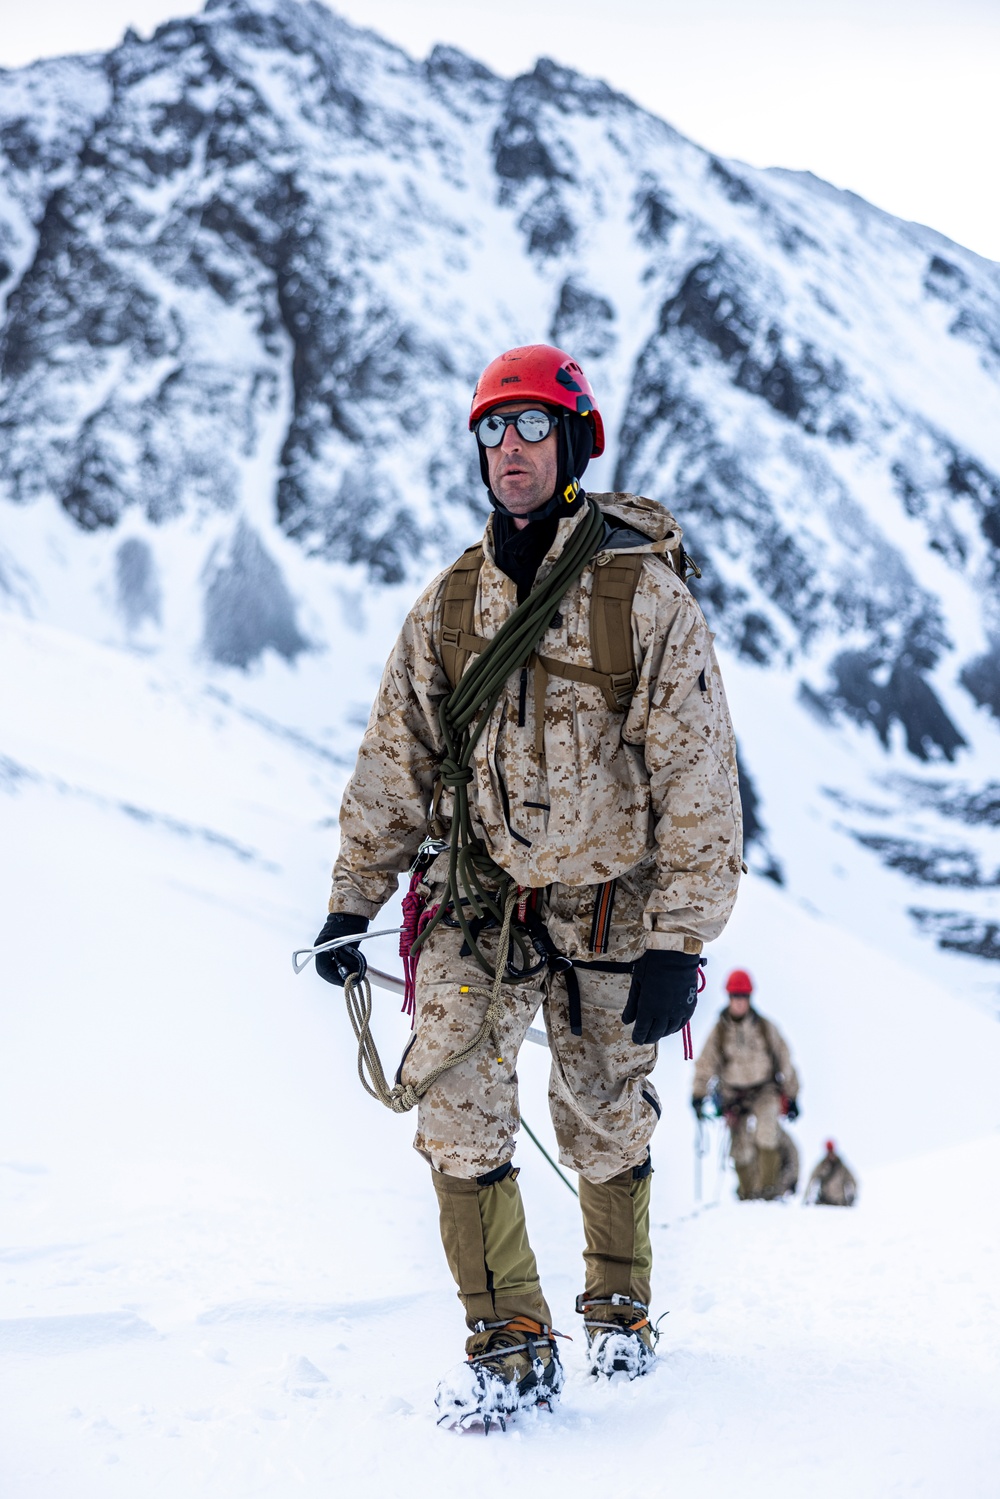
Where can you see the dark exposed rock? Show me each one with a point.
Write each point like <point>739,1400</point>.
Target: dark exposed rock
<point>864,691</point>
<point>758,640</point>
<point>967,477</point>
<point>547,226</point>
<point>977,308</point>
<point>981,678</point>
<point>519,153</point>
<point>977,808</point>
<point>583,322</point>
<point>458,67</point>
<point>138,587</point>
<point>711,303</point>
<point>931,865</point>
<point>736,188</point>
<point>956,931</point>
<point>248,608</point>
<point>943,279</point>
<point>754,832</point>
<point>708,303</point>
<point>654,215</point>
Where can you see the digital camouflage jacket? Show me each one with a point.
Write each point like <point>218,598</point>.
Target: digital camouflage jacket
<point>654,788</point>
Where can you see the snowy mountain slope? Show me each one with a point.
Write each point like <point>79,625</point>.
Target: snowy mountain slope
<point>251,269</point>
<point>221,1272</point>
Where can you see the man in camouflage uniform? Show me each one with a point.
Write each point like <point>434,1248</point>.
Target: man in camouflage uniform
<point>620,825</point>
<point>748,1058</point>
<point>832,1184</point>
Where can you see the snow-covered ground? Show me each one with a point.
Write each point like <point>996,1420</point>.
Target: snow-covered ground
<point>219,1263</point>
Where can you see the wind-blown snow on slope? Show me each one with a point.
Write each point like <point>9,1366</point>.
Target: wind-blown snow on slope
<point>221,1267</point>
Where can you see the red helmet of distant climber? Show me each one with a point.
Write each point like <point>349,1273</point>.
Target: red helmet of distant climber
<point>831,1148</point>
<point>739,982</point>
<point>538,372</point>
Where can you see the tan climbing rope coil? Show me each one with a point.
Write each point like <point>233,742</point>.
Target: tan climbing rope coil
<point>404,1096</point>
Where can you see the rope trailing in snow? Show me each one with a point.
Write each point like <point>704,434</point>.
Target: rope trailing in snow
<point>404,1096</point>
<point>463,716</point>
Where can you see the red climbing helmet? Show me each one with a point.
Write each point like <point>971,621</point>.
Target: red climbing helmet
<point>739,982</point>
<point>537,372</point>
<point>831,1148</point>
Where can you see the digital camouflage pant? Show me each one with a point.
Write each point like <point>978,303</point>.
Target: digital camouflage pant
<point>754,1121</point>
<point>604,1107</point>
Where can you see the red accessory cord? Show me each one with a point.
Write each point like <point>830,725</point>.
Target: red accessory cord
<point>415,918</point>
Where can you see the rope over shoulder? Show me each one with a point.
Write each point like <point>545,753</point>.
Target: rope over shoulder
<point>476,885</point>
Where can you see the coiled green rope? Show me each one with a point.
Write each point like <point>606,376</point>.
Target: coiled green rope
<point>476,884</point>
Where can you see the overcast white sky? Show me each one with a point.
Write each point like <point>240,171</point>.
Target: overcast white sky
<point>897,99</point>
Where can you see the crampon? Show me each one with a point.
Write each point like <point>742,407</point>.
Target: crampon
<point>620,1337</point>
<point>516,1368</point>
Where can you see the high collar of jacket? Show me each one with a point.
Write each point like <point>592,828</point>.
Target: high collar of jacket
<point>648,517</point>
<point>567,525</point>
<point>633,522</point>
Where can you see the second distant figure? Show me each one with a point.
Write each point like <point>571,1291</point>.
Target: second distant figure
<point>747,1060</point>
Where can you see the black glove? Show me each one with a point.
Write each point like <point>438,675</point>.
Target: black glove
<point>663,995</point>
<point>698,1104</point>
<point>792,1112</point>
<point>336,965</point>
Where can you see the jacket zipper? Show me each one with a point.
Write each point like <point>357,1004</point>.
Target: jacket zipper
<point>504,798</point>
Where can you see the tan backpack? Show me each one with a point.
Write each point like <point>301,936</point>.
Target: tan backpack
<point>614,668</point>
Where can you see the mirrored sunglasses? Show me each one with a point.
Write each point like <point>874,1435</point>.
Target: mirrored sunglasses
<point>534,426</point>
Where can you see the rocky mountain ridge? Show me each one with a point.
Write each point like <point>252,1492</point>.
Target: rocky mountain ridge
<point>250,270</point>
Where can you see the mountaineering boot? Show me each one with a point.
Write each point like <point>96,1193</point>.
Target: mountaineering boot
<point>620,1337</point>
<point>512,1362</point>
<point>511,1366</point>
<point>746,1175</point>
<point>788,1172</point>
<point>768,1166</point>
<point>618,1258</point>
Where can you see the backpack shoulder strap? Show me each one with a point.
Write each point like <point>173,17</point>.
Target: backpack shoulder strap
<point>765,1030</point>
<point>456,642</point>
<point>615,583</point>
<point>614,668</point>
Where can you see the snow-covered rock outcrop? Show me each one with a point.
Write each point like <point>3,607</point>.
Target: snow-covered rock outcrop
<point>251,268</point>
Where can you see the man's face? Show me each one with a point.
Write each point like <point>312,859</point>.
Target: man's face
<point>739,1004</point>
<point>522,474</point>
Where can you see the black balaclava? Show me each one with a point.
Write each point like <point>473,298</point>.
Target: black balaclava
<point>575,444</point>
<point>519,552</point>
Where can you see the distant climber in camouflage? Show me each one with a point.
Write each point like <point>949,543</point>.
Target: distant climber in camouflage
<point>832,1183</point>
<point>595,802</point>
<point>748,1059</point>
